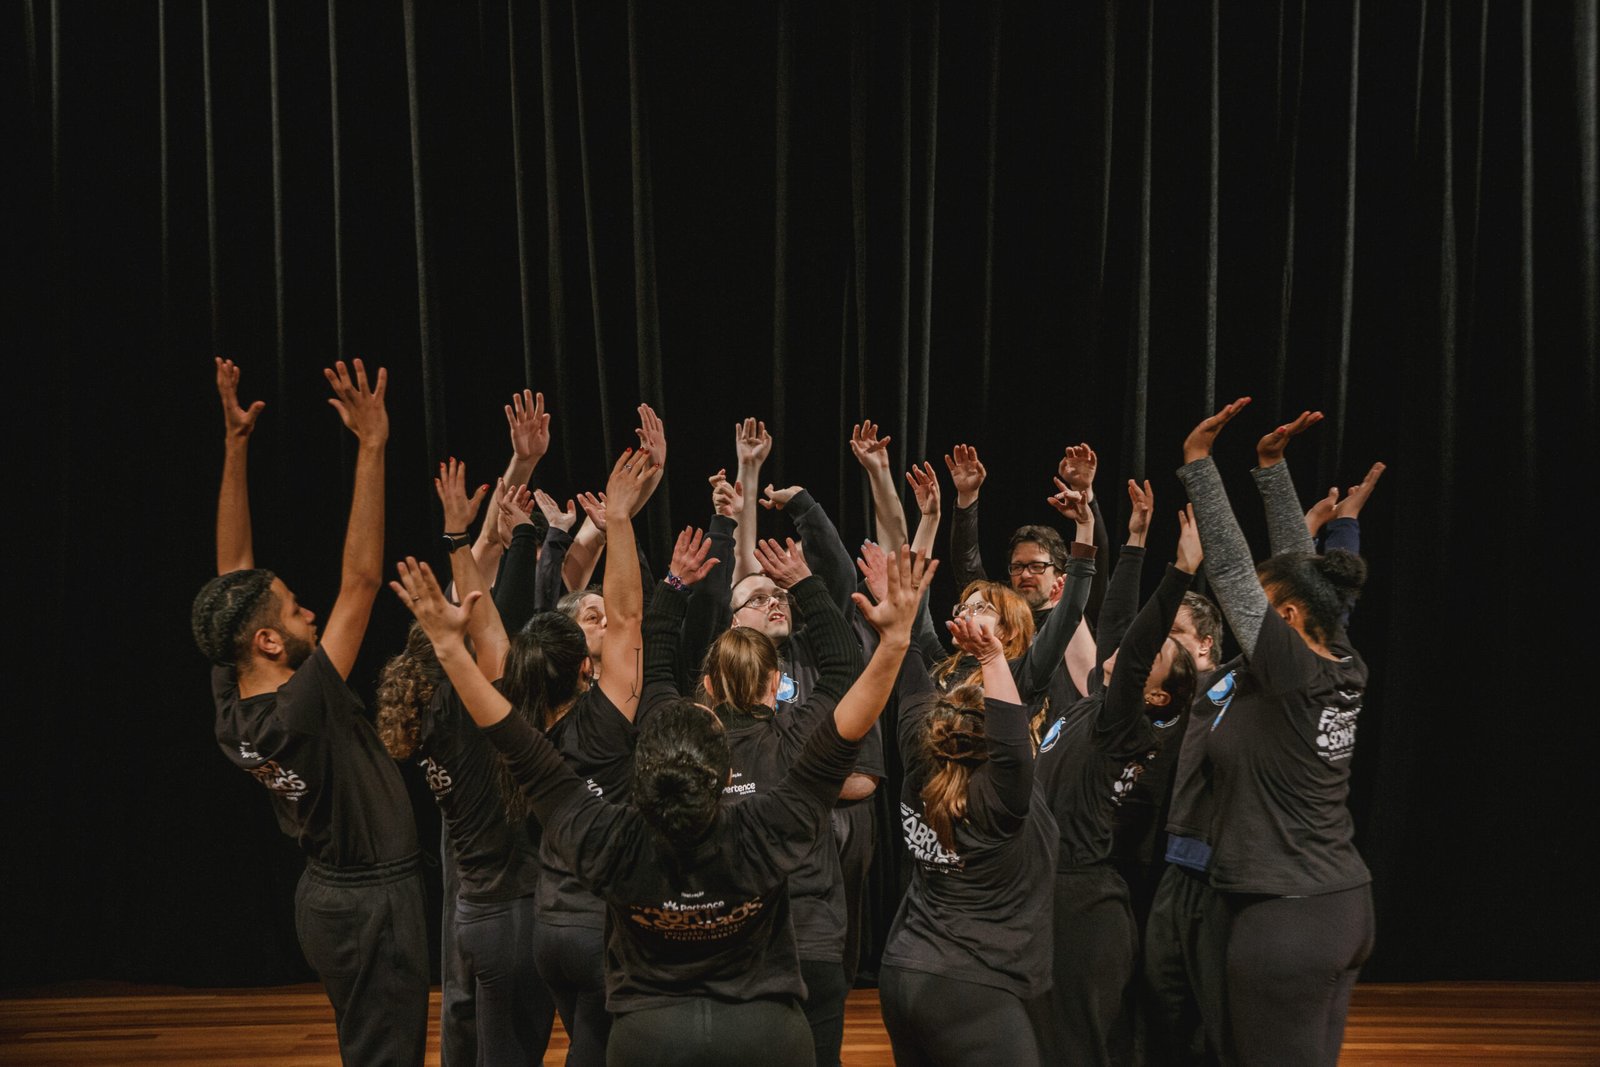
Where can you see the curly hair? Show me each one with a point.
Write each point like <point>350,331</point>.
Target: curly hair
<point>1324,587</point>
<point>955,742</point>
<point>405,686</point>
<point>680,766</point>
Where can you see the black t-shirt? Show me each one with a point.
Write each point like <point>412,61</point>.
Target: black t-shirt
<point>1142,794</point>
<point>1280,751</point>
<point>1082,758</point>
<point>497,859</point>
<point>1189,813</point>
<point>597,742</point>
<point>983,912</point>
<point>334,788</point>
<point>713,921</point>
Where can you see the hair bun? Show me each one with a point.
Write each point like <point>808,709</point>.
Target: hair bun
<point>1343,569</point>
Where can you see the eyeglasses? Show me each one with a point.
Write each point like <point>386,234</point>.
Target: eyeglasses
<point>761,601</point>
<point>1038,566</point>
<point>963,611</point>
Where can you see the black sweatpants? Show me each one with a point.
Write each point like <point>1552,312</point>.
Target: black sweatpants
<point>1086,1017</point>
<point>1292,962</point>
<point>824,1007</point>
<point>363,931</point>
<point>458,1007</point>
<point>701,1032</point>
<point>855,833</point>
<point>935,1021</point>
<point>514,1009</point>
<point>1185,954</point>
<point>571,960</point>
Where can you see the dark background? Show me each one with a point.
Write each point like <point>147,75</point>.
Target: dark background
<point>731,209</point>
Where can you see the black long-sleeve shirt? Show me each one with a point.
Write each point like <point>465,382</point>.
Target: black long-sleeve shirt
<point>712,921</point>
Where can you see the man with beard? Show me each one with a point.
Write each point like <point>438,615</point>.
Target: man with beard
<point>286,717</point>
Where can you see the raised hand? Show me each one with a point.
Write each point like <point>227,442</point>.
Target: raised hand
<point>751,442</point>
<point>558,519</point>
<point>1077,468</point>
<point>785,564</point>
<point>870,450</point>
<point>727,498</point>
<point>908,575</point>
<point>1269,450</point>
<point>975,635</point>
<point>689,562</point>
<point>1142,502</point>
<point>530,426</point>
<point>1071,503</point>
<point>966,472</point>
<point>1190,554</point>
<point>360,408</point>
<point>652,436</point>
<point>925,487</point>
<point>625,489</point>
<point>451,485</point>
<point>775,499</point>
<point>1199,443</point>
<point>515,508</point>
<point>240,422</point>
<point>873,564</point>
<point>1355,498</point>
<point>1320,512</point>
<point>594,506</point>
<point>443,622</point>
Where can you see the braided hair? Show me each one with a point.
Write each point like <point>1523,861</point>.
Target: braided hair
<point>227,612</point>
<point>955,742</point>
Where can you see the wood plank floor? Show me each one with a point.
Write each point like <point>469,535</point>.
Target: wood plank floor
<point>1454,1023</point>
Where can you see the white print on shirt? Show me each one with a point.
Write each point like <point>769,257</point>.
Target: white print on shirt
<point>439,780</point>
<point>247,750</point>
<point>594,787</point>
<point>711,921</point>
<point>287,784</point>
<point>1130,777</point>
<point>1336,727</point>
<point>738,788</point>
<point>924,843</point>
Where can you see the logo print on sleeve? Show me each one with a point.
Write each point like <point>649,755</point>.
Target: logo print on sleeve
<point>787,689</point>
<point>1130,778</point>
<point>1052,735</point>
<point>284,783</point>
<point>1221,694</point>
<point>439,781</point>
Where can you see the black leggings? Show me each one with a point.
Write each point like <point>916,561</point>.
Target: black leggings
<point>514,1009</point>
<point>1185,954</point>
<point>824,1007</point>
<point>944,1022</point>
<point>571,962</point>
<point>1292,962</point>
<point>1085,1017</point>
<point>701,1032</point>
<point>364,933</point>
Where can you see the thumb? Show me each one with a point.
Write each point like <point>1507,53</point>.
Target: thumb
<point>469,601</point>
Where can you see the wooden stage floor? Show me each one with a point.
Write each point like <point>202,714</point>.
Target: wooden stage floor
<point>1445,1023</point>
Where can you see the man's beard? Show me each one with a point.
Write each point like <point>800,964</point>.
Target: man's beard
<point>296,650</point>
<point>1038,597</point>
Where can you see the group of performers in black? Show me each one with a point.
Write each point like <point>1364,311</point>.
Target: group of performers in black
<point>1124,846</point>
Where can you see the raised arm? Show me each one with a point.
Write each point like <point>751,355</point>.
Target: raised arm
<point>1122,592</point>
<point>490,547</point>
<point>1230,569</point>
<point>838,655</point>
<point>1008,774</point>
<point>1286,524</point>
<point>235,547</point>
<point>1076,470</point>
<point>709,608</point>
<point>1136,656</point>
<point>1046,655</point>
<point>578,567</point>
<point>663,620</point>
<point>1344,529</point>
<point>484,628</point>
<point>925,486</point>
<point>909,575</point>
<point>968,474</point>
<point>824,548</point>
<point>623,645</point>
<point>872,452</point>
<point>751,444</point>
<point>362,411</point>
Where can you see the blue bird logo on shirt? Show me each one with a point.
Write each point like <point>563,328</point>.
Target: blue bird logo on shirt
<point>787,689</point>
<point>1221,694</point>
<point>1053,734</point>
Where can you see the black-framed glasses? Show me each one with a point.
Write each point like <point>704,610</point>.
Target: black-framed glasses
<point>1037,566</point>
<point>762,601</point>
<point>965,611</point>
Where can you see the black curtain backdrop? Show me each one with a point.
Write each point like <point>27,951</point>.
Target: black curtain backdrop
<point>1016,224</point>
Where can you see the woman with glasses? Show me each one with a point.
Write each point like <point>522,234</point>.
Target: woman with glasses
<point>1034,660</point>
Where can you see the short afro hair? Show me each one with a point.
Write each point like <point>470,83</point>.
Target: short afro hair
<point>230,608</point>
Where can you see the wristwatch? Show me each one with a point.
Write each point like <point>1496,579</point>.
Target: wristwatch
<point>455,541</point>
